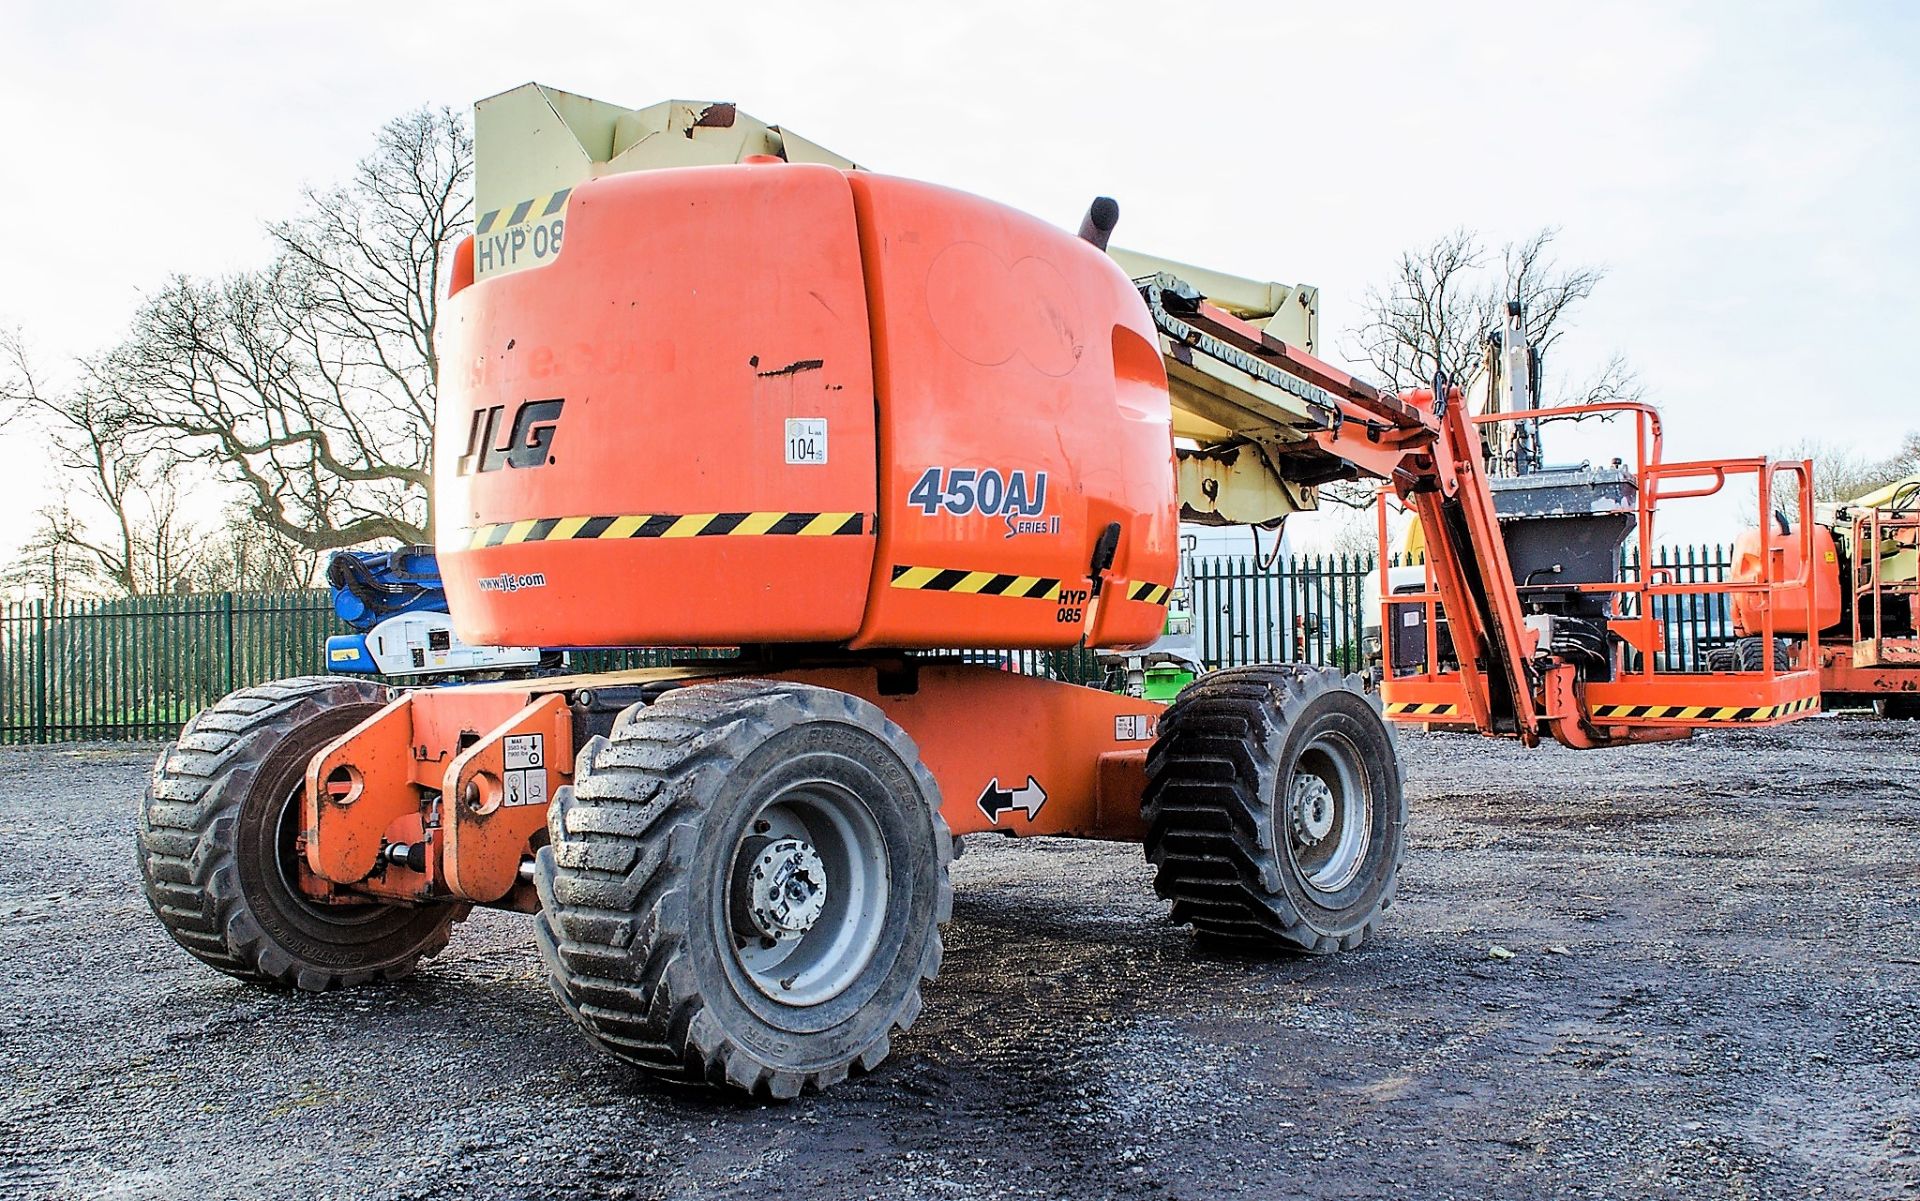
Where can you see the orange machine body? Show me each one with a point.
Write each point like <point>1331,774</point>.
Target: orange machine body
<point>1865,615</point>
<point>1644,693</point>
<point>769,403</point>
<point>1788,600</point>
<point>773,403</point>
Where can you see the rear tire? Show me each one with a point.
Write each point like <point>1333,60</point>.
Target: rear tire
<point>1897,708</point>
<point>1750,654</point>
<point>1274,809</point>
<point>217,855</point>
<point>745,886</point>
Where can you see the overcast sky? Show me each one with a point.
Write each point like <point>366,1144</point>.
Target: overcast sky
<point>1747,172</point>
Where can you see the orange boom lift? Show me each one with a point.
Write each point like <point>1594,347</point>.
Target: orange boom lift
<point>837,420</point>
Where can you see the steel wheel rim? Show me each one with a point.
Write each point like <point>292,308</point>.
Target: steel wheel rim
<point>841,835</point>
<point>286,856</point>
<point>1328,812</point>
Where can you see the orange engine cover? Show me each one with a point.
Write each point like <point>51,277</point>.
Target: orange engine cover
<point>1789,600</point>
<point>785,403</point>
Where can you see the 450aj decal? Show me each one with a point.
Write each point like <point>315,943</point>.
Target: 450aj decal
<point>1017,497</point>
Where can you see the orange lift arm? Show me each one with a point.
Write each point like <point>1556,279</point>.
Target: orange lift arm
<point>1430,453</point>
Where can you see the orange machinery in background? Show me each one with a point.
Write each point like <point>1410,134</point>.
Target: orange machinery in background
<point>1864,563</point>
<point>834,420</point>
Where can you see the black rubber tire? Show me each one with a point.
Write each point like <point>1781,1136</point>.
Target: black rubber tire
<point>1897,708</point>
<point>633,887</point>
<point>213,840</point>
<point>1226,753</point>
<point>1749,654</point>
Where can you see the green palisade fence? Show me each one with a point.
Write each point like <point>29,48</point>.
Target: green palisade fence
<point>139,667</point>
<point>1304,609</point>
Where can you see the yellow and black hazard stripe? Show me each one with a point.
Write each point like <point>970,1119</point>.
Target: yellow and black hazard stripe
<point>976,583</point>
<point>665,525</point>
<point>1704,712</point>
<point>1153,594</point>
<point>1422,709</point>
<point>537,209</point>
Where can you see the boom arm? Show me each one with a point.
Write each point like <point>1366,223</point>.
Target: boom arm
<point>1308,422</point>
<point>1427,450</point>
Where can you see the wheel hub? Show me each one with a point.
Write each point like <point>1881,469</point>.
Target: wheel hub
<point>786,889</point>
<point>1311,804</point>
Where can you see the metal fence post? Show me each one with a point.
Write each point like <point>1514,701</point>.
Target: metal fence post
<point>226,616</point>
<point>41,683</point>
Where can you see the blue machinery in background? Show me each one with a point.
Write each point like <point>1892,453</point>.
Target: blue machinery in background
<point>397,607</point>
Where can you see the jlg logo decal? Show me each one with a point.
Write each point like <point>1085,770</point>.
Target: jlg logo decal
<point>526,445</point>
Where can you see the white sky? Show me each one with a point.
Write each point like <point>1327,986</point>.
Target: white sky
<point>1747,171</point>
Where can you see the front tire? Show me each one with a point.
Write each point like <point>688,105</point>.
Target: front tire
<point>745,885</point>
<point>1274,809</point>
<point>218,852</point>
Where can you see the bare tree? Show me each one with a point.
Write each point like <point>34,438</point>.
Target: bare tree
<point>311,384</point>
<point>1356,533</point>
<point>375,252</point>
<point>128,531</point>
<point>1432,317</point>
<point>239,556</point>
<point>1446,296</point>
<point>1615,380</point>
<point>1907,462</point>
<point>48,565</point>
<point>1841,474</point>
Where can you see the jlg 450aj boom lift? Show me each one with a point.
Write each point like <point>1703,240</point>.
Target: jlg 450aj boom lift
<point>759,398</point>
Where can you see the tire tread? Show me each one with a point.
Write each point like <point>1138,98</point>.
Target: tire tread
<point>614,909</point>
<point>185,834</point>
<point>1211,828</point>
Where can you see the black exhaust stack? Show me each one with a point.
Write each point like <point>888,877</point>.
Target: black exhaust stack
<point>1097,226</point>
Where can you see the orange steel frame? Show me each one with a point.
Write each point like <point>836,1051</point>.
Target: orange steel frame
<point>1640,703</point>
<point>428,768</point>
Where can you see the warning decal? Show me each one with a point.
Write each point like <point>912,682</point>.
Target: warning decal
<point>1135,727</point>
<point>975,583</point>
<point>1707,712</point>
<point>665,525</point>
<point>526,774</point>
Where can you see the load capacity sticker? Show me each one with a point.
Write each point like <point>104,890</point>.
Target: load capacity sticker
<point>1135,727</point>
<point>526,765</point>
<point>1017,497</point>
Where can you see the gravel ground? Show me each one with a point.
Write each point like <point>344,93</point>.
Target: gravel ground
<point>1714,992</point>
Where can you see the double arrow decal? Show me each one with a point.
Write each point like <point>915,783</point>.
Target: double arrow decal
<point>995,800</point>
